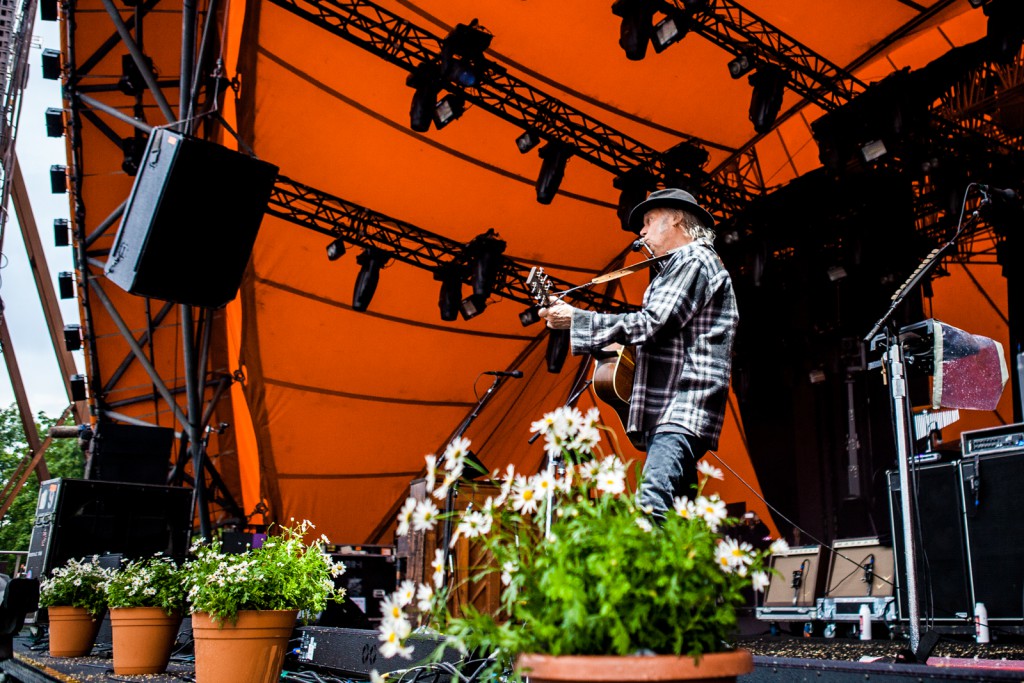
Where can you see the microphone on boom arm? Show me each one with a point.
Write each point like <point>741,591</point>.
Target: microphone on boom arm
<point>504,373</point>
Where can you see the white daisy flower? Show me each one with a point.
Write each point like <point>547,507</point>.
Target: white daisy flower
<point>424,518</point>
<point>723,558</point>
<point>645,524</point>
<point>683,507</point>
<point>779,545</point>
<point>712,510</point>
<point>405,516</point>
<point>391,608</point>
<point>524,496</point>
<point>431,471</point>
<point>739,553</point>
<point>507,570</point>
<point>406,592</point>
<point>709,470</point>
<point>424,597</point>
<point>438,566</point>
<point>376,677</point>
<point>392,635</point>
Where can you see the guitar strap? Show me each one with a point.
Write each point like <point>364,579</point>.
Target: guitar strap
<point>629,270</point>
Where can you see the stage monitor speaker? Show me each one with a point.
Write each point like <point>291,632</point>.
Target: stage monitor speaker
<point>77,518</point>
<point>995,535</point>
<point>130,453</point>
<point>800,580</point>
<point>943,583</point>
<point>861,567</point>
<point>190,222</point>
<point>355,653</point>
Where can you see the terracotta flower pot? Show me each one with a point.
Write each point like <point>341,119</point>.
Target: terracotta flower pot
<point>72,631</point>
<point>251,650</point>
<point>718,667</point>
<point>143,639</point>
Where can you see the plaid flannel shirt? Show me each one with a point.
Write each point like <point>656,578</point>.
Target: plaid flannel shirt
<point>683,338</point>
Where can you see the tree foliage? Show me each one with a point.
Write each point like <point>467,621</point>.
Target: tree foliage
<point>64,459</point>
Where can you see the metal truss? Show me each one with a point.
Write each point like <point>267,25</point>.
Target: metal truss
<point>359,226</point>
<point>410,47</point>
<point>740,32</point>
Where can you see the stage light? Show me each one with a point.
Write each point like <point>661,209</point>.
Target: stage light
<point>529,316</point>
<point>683,160</point>
<point>77,383</point>
<point>1005,32</point>
<point>58,179</point>
<point>336,249</point>
<point>54,122</point>
<point>51,64</point>
<point>449,299</point>
<point>61,233</point>
<point>552,168</point>
<point>462,54</point>
<point>669,31</point>
<point>133,147</point>
<point>769,82</point>
<point>633,187</point>
<point>472,306</point>
<point>72,337</point>
<point>837,273</point>
<point>873,150</point>
<point>371,260</point>
<point>527,141</point>
<point>426,82</point>
<point>484,252</point>
<point>131,81</point>
<point>448,109</point>
<point>48,10</point>
<point>741,65</point>
<point>635,29</point>
<point>66,284</point>
<point>558,349</point>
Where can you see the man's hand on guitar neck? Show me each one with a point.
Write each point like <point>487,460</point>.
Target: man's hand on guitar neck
<point>558,315</point>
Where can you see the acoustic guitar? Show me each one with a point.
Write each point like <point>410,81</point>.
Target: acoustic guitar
<point>613,366</point>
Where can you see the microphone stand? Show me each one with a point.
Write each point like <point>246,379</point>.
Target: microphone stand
<point>449,501</point>
<point>895,365</point>
<point>558,462</point>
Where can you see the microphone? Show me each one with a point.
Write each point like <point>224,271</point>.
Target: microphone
<point>997,191</point>
<point>504,373</point>
<point>637,244</point>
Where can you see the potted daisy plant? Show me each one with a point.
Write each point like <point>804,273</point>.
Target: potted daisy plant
<point>593,586</point>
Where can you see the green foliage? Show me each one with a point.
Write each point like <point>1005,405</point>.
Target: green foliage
<point>63,458</point>
<point>151,582</point>
<point>285,573</point>
<point>79,583</point>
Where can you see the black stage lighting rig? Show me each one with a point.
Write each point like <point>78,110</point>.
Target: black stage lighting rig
<point>769,84</point>
<point>670,30</point>
<point>555,156</point>
<point>336,249</point>
<point>371,260</point>
<point>462,54</point>
<point>449,298</point>
<point>636,27</point>
<point>450,108</point>
<point>426,82</point>
<point>633,188</point>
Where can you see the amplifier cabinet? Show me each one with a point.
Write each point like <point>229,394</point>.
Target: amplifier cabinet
<point>792,594</point>
<point>943,582</point>
<point>990,486</point>
<point>356,652</point>
<point>861,567</point>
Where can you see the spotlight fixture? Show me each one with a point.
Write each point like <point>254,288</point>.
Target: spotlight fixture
<point>77,383</point>
<point>371,260</point>
<point>66,284</point>
<point>555,155</point>
<point>1005,32</point>
<point>58,179</point>
<point>51,64</point>
<point>472,306</point>
<point>54,122</point>
<point>558,348</point>
<point>683,161</point>
<point>635,29</point>
<point>462,54</point>
<point>527,141</point>
<point>426,82</point>
<point>769,82</point>
<point>131,81</point>
<point>72,337</point>
<point>633,187</point>
<point>48,10</point>
<point>669,31</point>
<point>873,150</point>
<point>336,249</point>
<point>449,299</point>
<point>61,233</point>
<point>448,109</point>
<point>529,316</point>
<point>484,252</point>
<point>741,65</point>
<point>133,147</point>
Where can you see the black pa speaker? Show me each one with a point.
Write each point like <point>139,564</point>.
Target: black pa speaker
<point>943,582</point>
<point>995,536</point>
<point>130,453</point>
<point>191,221</point>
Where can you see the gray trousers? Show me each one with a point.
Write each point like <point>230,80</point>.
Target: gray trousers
<point>670,470</point>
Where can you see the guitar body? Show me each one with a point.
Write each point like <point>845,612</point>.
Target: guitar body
<point>613,381</point>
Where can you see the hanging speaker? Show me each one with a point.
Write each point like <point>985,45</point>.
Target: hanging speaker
<point>191,221</point>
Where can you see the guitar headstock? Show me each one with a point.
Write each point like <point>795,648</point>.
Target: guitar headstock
<point>539,285</point>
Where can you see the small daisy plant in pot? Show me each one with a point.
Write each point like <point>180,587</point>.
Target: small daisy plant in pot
<point>584,570</point>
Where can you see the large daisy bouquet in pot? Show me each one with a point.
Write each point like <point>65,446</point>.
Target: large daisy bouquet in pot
<point>584,570</point>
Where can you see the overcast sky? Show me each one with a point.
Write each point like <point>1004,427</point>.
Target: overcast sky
<point>36,153</point>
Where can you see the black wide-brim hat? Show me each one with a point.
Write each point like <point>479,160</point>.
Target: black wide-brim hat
<point>671,198</point>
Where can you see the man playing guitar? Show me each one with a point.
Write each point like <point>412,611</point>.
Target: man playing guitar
<point>683,337</point>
